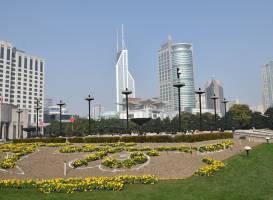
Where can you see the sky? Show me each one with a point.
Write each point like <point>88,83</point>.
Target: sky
<point>231,41</point>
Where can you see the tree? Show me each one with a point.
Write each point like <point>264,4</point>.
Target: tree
<point>239,116</point>
<point>269,115</point>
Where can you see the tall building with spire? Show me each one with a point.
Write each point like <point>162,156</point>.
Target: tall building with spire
<point>214,87</point>
<point>124,79</point>
<point>267,82</point>
<point>170,57</point>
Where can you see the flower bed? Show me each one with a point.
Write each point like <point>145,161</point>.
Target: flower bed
<point>216,147</point>
<point>212,167</point>
<point>18,150</point>
<point>153,153</point>
<point>72,185</point>
<point>92,157</point>
<point>135,158</point>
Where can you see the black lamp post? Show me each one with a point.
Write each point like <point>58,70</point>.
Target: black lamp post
<point>61,104</point>
<point>37,108</point>
<point>19,111</point>
<point>127,92</point>
<point>214,98</point>
<point>89,99</point>
<point>225,105</point>
<point>178,85</point>
<point>200,92</point>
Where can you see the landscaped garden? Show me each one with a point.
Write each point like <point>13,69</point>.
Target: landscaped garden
<point>242,178</point>
<point>134,170</point>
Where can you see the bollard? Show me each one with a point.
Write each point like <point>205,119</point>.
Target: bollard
<point>267,140</point>
<point>64,168</point>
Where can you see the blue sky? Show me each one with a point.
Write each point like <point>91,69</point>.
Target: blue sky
<point>231,40</point>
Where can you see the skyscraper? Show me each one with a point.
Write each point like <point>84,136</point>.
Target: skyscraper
<point>214,87</point>
<point>267,79</point>
<point>170,57</point>
<point>124,79</point>
<point>21,79</point>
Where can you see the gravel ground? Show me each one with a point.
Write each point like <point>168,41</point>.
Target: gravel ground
<point>45,163</point>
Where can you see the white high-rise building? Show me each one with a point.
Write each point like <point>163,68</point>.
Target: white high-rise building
<point>214,87</point>
<point>267,80</point>
<point>21,80</point>
<point>124,79</point>
<point>170,57</point>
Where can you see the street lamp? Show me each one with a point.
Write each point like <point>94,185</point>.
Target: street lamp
<point>89,99</point>
<point>200,92</point>
<point>19,111</point>
<point>178,85</point>
<point>225,105</point>
<point>126,93</point>
<point>214,98</point>
<point>61,104</point>
<point>37,108</point>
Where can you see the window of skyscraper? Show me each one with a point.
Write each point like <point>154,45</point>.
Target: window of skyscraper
<point>30,64</point>
<point>20,61</point>
<point>8,54</point>
<point>25,63</point>
<point>2,52</point>
<point>36,65</point>
<point>41,66</point>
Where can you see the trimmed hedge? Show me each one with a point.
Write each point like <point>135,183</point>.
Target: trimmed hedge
<point>45,140</point>
<point>137,139</point>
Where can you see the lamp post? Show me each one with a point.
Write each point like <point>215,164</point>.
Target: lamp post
<point>214,98</point>
<point>200,92</point>
<point>178,85</point>
<point>37,108</point>
<point>89,99</point>
<point>225,106</point>
<point>61,104</point>
<point>127,92</point>
<point>19,111</point>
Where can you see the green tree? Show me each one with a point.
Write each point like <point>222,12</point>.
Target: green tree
<point>239,116</point>
<point>269,115</point>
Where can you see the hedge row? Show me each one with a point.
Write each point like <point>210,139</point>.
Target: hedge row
<point>137,139</point>
<point>45,140</point>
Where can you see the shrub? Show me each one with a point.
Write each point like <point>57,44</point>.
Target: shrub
<point>134,139</point>
<point>152,153</point>
<point>44,140</point>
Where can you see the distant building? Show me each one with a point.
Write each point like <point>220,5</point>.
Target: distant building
<point>144,108</point>
<point>267,82</point>
<point>10,126</point>
<point>214,87</point>
<point>109,115</point>
<point>124,79</point>
<point>47,104</point>
<point>52,113</point>
<point>170,57</point>
<point>97,111</point>
<point>22,80</point>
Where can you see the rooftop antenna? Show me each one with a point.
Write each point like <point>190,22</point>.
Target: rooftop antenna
<point>117,41</point>
<point>122,38</point>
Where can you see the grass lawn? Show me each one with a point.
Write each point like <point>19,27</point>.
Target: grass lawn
<point>243,178</point>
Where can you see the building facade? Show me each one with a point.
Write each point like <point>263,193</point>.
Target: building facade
<point>22,80</point>
<point>11,127</point>
<point>124,79</point>
<point>97,111</point>
<point>143,108</point>
<point>214,87</point>
<point>170,57</point>
<point>267,82</point>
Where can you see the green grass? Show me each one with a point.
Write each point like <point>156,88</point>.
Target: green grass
<point>243,178</point>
